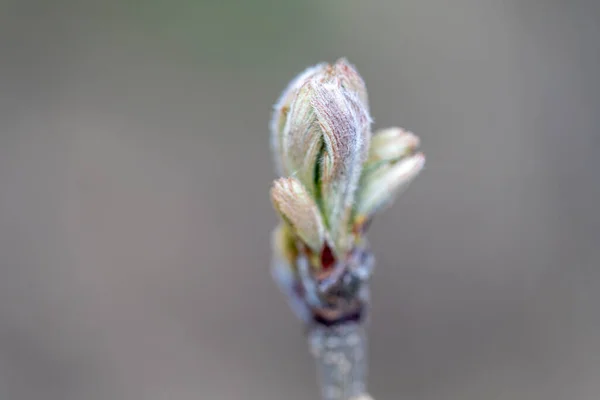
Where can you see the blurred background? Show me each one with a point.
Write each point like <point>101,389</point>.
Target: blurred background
<point>135,217</point>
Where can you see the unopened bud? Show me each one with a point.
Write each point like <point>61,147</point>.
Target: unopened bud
<point>281,111</point>
<point>380,187</point>
<point>391,144</point>
<point>338,175</point>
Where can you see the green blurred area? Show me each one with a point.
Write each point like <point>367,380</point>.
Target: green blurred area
<point>234,32</point>
<point>239,34</point>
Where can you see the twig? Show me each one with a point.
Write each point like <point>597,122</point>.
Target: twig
<point>339,175</point>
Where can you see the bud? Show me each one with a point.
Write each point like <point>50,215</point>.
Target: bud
<point>344,122</point>
<point>302,143</point>
<point>391,144</point>
<point>299,210</point>
<point>281,110</point>
<point>338,174</point>
<point>381,186</point>
<point>320,136</point>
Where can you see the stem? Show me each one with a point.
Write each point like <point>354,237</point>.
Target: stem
<point>334,309</point>
<point>340,352</point>
<point>338,336</point>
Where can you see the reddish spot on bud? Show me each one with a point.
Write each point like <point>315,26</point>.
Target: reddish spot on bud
<point>327,257</point>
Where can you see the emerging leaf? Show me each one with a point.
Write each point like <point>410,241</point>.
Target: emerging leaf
<point>281,111</point>
<point>299,210</point>
<point>391,144</point>
<point>302,141</point>
<point>381,186</point>
<point>344,122</point>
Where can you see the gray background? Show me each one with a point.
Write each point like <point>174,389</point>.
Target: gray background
<point>135,217</point>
